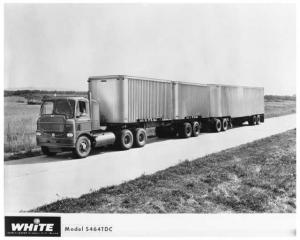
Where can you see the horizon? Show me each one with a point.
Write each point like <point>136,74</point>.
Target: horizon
<point>66,90</point>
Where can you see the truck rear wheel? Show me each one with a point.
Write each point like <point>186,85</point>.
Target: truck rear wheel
<point>46,151</point>
<point>126,139</point>
<point>196,129</point>
<point>218,125</point>
<point>224,124</point>
<point>83,147</point>
<point>140,137</point>
<point>185,131</point>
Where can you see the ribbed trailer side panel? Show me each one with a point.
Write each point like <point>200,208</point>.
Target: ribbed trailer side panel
<point>125,100</point>
<point>215,102</point>
<point>235,101</point>
<point>254,99</point>
<point>149,99</point>
<point>227,101</point>
<point>192,100</point>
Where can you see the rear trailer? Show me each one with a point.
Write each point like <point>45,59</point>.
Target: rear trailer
<point>211,101</point>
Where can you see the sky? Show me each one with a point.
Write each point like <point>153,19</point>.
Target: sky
<point>58,46</point>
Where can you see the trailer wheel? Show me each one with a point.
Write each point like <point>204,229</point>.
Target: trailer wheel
<point>126,139</point>
<point>185,130</point>
<point>252,120</point>
<point>224,124</point>
<point>196,129</point>
<point>45,150</point>
<point>258,119</point>
<point>230,125</point>
<point>218,125</point>
<point>83,147</point>
<point>140,137</point>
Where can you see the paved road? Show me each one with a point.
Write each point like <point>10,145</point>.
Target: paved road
<point>35,181</point>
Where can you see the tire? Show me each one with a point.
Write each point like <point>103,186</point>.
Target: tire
<point>83,147</point>
<point>185,130</point>
<point>258,119</point>
<point>252,120</point>
<point>45,150</point>
<point>230,125</point>
<point>224,124</point>
<point>140,137</point>
<point>262,118</point>
<point>195,129</point>
<point>126,139</point>
<point>218,125</point>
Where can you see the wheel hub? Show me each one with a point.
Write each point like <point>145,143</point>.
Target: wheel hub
<point>141,137</point>
<point>127,139</point>
<point>83,146</point>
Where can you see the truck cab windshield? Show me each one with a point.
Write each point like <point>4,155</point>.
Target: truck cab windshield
<point>59,107</point>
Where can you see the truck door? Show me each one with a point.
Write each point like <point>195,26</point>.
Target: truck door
<point>83,120</point>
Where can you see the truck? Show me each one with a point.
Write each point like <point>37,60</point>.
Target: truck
<point>120,108</point>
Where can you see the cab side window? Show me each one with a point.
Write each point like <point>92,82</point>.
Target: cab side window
<point>82,109</point>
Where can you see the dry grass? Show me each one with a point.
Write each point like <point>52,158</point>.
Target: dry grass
<point>275,109</point>
<point>20,125</point>
<point>255,177</point>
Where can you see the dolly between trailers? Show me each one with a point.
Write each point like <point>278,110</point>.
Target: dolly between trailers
<point>120,108</point>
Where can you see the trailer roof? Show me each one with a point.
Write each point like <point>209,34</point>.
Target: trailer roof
<point>228,85</point>
<point>107,77</point>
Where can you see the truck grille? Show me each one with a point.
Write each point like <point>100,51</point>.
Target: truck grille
<point>52,124</point>
<point>51,127</point>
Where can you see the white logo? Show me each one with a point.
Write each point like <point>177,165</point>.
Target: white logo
<point>36,226</point>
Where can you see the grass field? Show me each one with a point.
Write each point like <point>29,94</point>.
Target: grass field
<point>277,106</point>
<point>252,178</point>
<point>20,119</point>
<point>20,124</point>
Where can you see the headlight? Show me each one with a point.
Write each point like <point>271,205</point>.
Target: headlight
<point>38,133</point>
<point>70,134</point>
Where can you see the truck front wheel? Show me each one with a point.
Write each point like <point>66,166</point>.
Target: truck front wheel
<point>140,137</point>
<point>126,139</point>
<point>46,151</point>
<point>83,147</point>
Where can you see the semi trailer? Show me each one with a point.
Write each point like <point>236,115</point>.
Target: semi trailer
<point>119,109</point>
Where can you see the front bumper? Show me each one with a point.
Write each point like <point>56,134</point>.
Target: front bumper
<point>54,142</point>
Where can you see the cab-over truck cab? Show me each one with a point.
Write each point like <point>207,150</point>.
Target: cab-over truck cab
<point>65,124</point>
